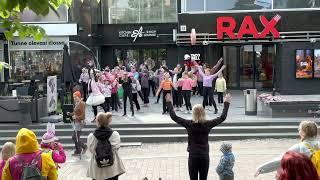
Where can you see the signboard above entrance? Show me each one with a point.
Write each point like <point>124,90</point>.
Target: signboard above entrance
<point>137,33</point>
<point>52,43</point>
<point>227,25</point>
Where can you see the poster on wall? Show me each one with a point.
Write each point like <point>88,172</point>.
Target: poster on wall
<point>304,62</point>
<point>316,64</point>
<point>52,95</point>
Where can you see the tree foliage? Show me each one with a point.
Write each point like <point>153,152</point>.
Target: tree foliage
<point>11,10</point>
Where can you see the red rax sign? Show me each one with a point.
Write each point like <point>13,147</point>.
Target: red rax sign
<point>247,27</point>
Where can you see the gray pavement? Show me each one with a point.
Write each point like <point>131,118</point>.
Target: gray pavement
<point>152,114</point>
<point>169,160</point>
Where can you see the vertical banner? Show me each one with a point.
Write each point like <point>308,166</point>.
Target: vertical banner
<point>52,95</point>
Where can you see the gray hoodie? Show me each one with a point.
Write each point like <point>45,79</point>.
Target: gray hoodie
<point>274,164</point>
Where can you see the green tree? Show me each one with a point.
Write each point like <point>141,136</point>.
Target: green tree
<point>10,12</point>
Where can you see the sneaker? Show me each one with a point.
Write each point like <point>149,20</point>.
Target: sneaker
<point>207,108</point>
<point>216,111</point>
<point>124,114</point>
<point>156,102</point>
<point>163,113</point>
<point>186,112</point>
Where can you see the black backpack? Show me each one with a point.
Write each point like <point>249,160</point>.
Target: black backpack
<point>104,154</point>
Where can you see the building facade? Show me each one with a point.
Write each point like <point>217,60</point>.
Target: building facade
<point>38,59</point>
<point>127,32</point>
<point>269,44</point>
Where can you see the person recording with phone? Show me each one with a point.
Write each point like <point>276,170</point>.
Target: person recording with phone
<point>78,117</point>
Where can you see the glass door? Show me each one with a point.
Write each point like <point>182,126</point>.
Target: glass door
<point>246,68</point>
<point>249,66</point>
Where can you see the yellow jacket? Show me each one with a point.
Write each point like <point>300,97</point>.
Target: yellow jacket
<point>27,146</point>
<point>221,85</point>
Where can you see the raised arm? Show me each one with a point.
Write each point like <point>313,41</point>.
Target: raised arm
<point>220,70</point>
<point>214,69</point>
<point>200,71</point>
<point>219,120</point>
<point>173,115</point>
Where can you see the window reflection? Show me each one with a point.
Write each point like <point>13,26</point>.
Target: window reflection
<point>38,64</point>
<point>139,11</point>
<point>30,16</point>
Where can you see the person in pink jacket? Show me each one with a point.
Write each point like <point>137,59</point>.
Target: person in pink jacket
<point>187,84</point>
<point>49,145</point>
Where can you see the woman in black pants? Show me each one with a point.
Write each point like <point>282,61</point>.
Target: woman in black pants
<point>198,131</point>
<point>127,93</point>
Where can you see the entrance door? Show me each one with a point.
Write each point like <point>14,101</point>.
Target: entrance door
<point>249,66</point>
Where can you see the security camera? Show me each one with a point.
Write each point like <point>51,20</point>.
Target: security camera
<point>313,40</point>
<point>205,42</point>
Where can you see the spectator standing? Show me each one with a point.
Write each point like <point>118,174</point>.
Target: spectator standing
<point>224,169</point>
<point>104,133</point>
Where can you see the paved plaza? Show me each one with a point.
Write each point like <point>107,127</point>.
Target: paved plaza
<point>152,114</point>
<point>169,160</point>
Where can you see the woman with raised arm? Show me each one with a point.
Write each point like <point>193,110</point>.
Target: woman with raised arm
<point>207,86</point>
<point>198,132</point>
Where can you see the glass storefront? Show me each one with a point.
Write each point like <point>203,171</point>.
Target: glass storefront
<point>216,5</point>
<point>249,66</point>
<point>134,57</point>
<point>139,11</point>
<point>35,64</point>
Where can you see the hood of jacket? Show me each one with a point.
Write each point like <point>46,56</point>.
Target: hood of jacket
<point>103,133</point>
<point>26,142</point>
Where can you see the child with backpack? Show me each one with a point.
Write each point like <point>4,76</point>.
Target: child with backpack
<point>8,150</point>
<point>49,145</point>
<point>29,161</point>
<point>224,169</point>
<point>104,144</point>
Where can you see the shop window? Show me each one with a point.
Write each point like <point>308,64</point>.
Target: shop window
<point>139,11</point>
<point>135,57</point>
<point>288,4</point>
<point>30,16</point>
<point>216,5</point>
<point>35,64</point>
<point>195,5</point>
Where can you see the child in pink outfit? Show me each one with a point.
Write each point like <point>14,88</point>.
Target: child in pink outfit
<point>7,152</point>
<point>49,145</point>
<point>187,84</point>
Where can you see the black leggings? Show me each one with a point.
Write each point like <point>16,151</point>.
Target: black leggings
<point>152,87</point>
<point>113,178</point>
<point>220,97</point>
<point>114,103</point>
<point>187,96</point>
<point>198,167</point>
<point>164,104</point>
<point>159,96</point>
<point>208,93</point>
<point>145,92</point>
<point>135,100</point>
<point>95,109</point>
<point>125,96</point>
<point>200,88</point>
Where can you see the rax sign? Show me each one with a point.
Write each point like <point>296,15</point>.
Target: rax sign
<point>247,27</point>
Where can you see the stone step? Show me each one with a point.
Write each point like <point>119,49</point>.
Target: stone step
<point>15,126</point>
<point>166,130</point>
<point>174,137</point>
<point>123,144</point>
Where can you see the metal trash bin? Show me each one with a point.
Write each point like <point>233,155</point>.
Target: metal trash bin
<point>250,96</point>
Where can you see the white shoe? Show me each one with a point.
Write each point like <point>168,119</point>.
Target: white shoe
<point>186,112</point>
<point>207,108</point>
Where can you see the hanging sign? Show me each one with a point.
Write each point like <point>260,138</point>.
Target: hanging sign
<point>52,95</point>
<point>226,25</point>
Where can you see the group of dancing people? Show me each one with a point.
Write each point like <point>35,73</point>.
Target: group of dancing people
<point>105,87</point>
